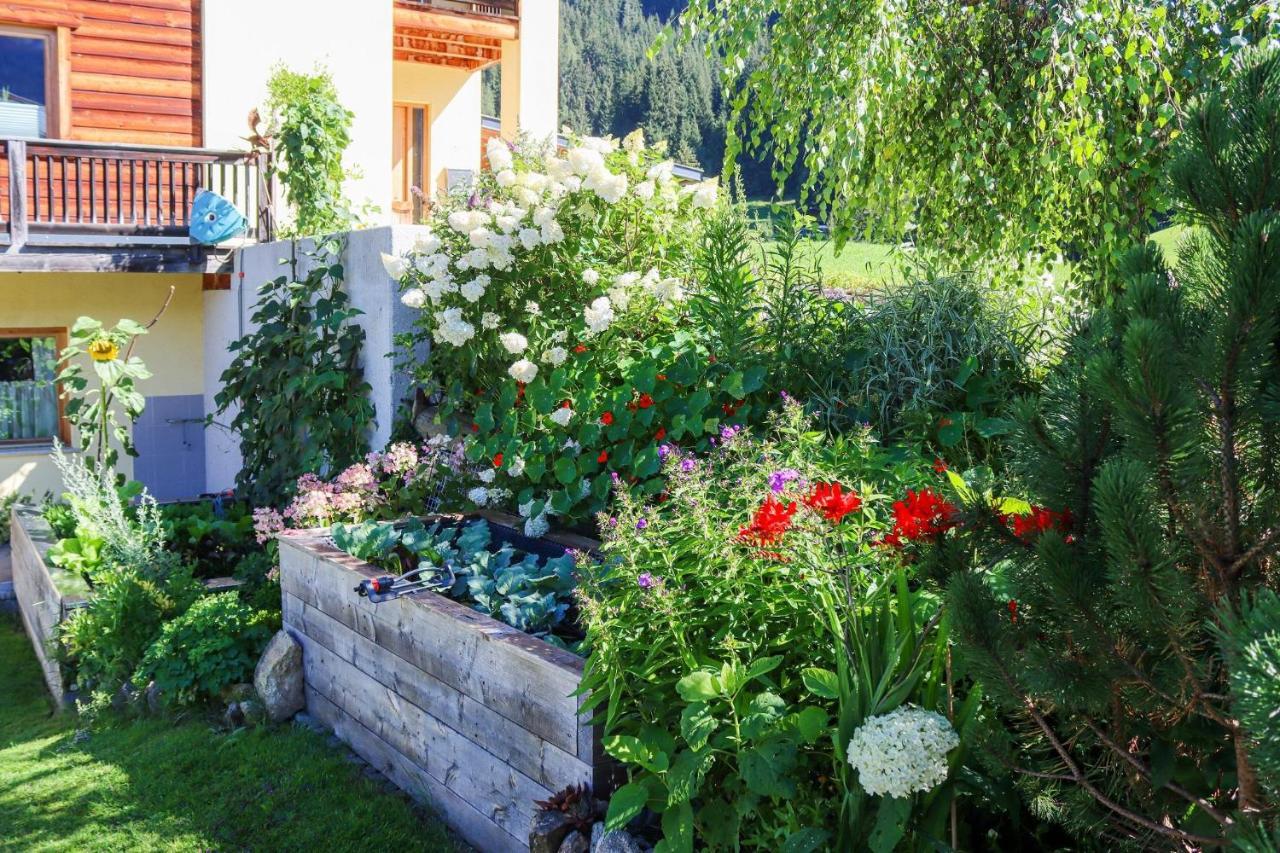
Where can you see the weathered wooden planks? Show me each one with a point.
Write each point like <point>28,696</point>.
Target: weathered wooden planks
<point>455,707</point>
<point>45,595</point>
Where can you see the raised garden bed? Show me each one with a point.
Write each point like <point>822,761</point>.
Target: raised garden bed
<point>455,707</point>
<point>46,593</point>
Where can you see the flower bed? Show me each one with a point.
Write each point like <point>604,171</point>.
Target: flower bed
<point>455,707</point>
<point>46,593</point>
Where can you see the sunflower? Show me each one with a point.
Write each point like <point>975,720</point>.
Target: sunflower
<point>103,349</point>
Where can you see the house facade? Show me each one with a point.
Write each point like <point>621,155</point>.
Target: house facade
<point>113,115</point>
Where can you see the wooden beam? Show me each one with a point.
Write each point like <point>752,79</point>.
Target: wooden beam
<point>16,154</point>
<point>39,14</point>
<point>450,62</point>
<point>426,46</point>
<point>421,19</point>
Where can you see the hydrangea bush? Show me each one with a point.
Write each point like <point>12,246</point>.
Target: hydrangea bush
<point>554,293</point>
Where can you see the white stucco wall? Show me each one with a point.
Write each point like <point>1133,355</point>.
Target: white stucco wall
<point>531,73</point>
<point>452,97</point>
<point>244,39</point>
<point>227,313</point>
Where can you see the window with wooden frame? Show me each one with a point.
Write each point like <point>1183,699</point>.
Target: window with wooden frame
<point>408,161</point>
<point>31,405</point>
<point>34,71</point>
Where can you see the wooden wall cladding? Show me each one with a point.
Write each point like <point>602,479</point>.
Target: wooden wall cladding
<point>131,67</point>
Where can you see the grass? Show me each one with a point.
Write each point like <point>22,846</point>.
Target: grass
<point>185,786</point>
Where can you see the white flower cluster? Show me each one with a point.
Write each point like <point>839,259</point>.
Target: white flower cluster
<point>902,752</point>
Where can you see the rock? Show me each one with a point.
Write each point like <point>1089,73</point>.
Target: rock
<point>612,842</point>
<point>238,692</point>
<point>575,842</point>
<point>154,699</point>
<point>547,831</point>
<point>253,711</point>
<point>278,678</point>
<point>233,717</point>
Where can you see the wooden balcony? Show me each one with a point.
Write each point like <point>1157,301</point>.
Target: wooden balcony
<point>455,33</point>
<point>75,206</point>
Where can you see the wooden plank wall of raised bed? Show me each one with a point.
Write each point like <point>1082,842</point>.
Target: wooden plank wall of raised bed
<point>41,602</point>
<point>456,708</point>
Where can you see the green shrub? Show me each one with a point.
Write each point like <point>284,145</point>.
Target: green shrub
<point>61,518</point>
<point>7,503</point>
<point>214,644</point>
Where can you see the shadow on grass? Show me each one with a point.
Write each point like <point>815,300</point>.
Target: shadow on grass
<point>160,785</point>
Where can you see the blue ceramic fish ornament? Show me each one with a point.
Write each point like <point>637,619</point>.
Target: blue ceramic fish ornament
<point>214,219</point>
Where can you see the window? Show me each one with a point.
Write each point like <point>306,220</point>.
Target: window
<point>26,78</point>
<point>30,407</point>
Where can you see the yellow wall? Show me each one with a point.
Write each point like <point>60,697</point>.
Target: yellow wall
<point>172,350</point>
<point>452,97</point>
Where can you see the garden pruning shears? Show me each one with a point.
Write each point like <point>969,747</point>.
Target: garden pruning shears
<point>387,587</point>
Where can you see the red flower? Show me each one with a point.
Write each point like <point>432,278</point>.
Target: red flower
<point>475,427</point>
<point>603,457</point>
<point>660,434</point>
<point>580,349</point>
<point>645,401</point>
<point>1013,611</point>
<point>1040,520</point>
<point>662,377</point>
<point>832,501</point>
<point>945,422</point>
<point>939,465</point>
<point>497,460</point>
<point>607,418</point>
<point>566,404</point>
<point>769,523</point>
<point>923,516</point>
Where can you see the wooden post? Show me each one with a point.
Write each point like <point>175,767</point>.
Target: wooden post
<point>266,210</point>
<point>17,153</point>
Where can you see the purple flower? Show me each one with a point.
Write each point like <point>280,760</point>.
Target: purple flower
<point>664,450</point>
<point>778,479</point>
<point>646,581</point>
<point>727,433</point>
<point>613,475</point>
<point>687,465</point>
<point>784,395</point>
<point>642,524</point>
<point>613,521</point>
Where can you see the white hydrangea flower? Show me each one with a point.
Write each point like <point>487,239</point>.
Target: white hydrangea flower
<point>499,154</point>
<point>626,279</point>
<point>414,298</point>
<point>573,183</point>
<point>602,144</point>
<point>466,221</point>
<point>552,232</point>
<point>582,160</point>
<point>599,315</point>
<point>427,244</point>
<point>661,172</point>
<point>606,184</point>
<point>490,320</point>
<point>558,168</point>
<point>902,752</point>
<point>452,328</point>
<point>645,190</point>
<point>669,290</point>
<point>486,476</point>
<point>516,467</point>
<point>590,277</point>
<point>478,496</point>
<point>634,141</point>
<point>704,194</point>
<point>620,298</point>
<point>481,238</point>
<point>524,371</point>
<point>533,309</point>
<point>562,416</point>
<point>514,342</point>
<point>432,266</point>
<point>436,288</point>
<point>555,356</point>
<point>473,290</point>
<point>501,258</point>
<point>544,216</point>
<point>505,178</point>
<point>394,265</point>
<point>530,238</point>
<point>476,259</point>
<point>506,222</point>
<point>536,528</point>
<point>560,336</point>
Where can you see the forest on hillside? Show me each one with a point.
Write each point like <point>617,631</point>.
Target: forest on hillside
<point>609,85</point>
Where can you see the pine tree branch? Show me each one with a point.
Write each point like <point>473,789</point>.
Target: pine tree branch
<point>1269,540</point>
<point>1146,773</point>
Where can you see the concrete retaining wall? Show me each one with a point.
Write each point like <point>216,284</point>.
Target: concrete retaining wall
<point>458,709</point>
<point>46,594</point>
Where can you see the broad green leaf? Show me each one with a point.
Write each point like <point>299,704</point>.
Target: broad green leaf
<point>698,686</point>
<point>627,802</point>
<point>822,683</point>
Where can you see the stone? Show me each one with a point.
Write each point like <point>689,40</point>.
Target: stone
<point>278,678</point>
<point>233,717</point>
<point>617,841</point>
<point>575,842</point>
<point>548,830</point>
<point>253,711</point>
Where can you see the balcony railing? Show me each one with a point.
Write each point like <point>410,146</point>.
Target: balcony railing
<point>67,194</point>
<point>489,8</point>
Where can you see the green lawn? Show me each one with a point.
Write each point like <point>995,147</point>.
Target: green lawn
<point>155,785</point>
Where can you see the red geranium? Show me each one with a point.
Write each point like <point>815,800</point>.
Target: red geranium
<point>580,349</point>
<point>770,522</point>
<point>939,465</point>
<point>603,457</point>
<point>1013,611</point>
<point>832,501</point>
<point>606,418</point>
<point>660,434</point>
<point>1039,520</point>
<point>923,516</point>
<point>497,460</point>
<point>645,401</point>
